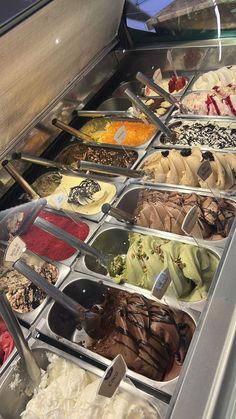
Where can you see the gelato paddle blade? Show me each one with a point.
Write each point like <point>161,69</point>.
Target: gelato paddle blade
<point>89,320</point>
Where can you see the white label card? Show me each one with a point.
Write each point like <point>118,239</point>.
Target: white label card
<point>112,377</point>
<point>161,283</point>
<point>190,220</point>
<point>59,199</point>
<point>15,249</point>
<point>205,170</point>
<point>120,134</point>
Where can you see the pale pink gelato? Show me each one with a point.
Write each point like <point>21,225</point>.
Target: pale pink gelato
<point>218,101</point>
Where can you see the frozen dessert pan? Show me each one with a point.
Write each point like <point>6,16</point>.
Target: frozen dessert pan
<point>128,201</point>
<point>28,220</point>
<point>123,104</point>
<point>63,271</point>
<point>160,140</point>
<point>85,289</point>
<point>112,240</point>
<point>146,181</point>
<point>98,125</point>
<point>92,217</point>
<point>196,115</point>
<point>139,154</point>
<point>14,381</point>
<point>11,357</point>
<point>92,228</point>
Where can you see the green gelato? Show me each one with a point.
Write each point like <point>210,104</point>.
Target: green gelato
<point>191,267</point>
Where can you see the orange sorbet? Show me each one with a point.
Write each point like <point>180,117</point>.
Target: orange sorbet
<point>137,133</point>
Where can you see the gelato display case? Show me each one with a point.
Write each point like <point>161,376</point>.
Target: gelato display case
<point>120,195</point>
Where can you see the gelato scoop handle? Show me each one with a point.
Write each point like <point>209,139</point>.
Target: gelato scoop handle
<point>73,131</point>
<point>22,182</point>
<point>117,213</point>
<point>22,346</point>
<point>68,238</point>
<point>38,160</point>
<point>150,115</point>
<point>111,170</point>
<point>89,320</point>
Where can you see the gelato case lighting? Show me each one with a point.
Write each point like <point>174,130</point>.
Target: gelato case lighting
<point>88,124</point>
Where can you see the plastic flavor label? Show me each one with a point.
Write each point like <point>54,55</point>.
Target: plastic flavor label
<point>120,134</point>
<point>59,199</point>
<point>204,170</point>
<point>112,377</point>
<point>15,249</point>
<point>190,220</point>
<point>161,283</point>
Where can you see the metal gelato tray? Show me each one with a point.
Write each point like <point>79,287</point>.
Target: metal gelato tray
<point>31,210</point>
<point>11,357</point>
<point>99,215</point>
<point>14,397</point>
<point>75,217</point>
<point>230,123</point>
<point>88,291</point>
<point>112,239</point>
<point>178,114</point>
<point>138,152</point>
<point>119,102</point>
<point>98,124</point>
<point>128,201</point>
<point>33,259</point>
<point>145,181</point>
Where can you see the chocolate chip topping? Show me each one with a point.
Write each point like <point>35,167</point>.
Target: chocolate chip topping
<point>185,152</point>
<point>165,153</point>
<point>207,155</point>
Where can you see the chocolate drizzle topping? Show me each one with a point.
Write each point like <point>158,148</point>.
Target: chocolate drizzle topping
<point>145,332</point>
<point>207,155</point>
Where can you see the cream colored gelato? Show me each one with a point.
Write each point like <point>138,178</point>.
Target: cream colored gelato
<point>221,77</point>
<point>85,196</point>
<point>181,166</point>
<point>69,392</point>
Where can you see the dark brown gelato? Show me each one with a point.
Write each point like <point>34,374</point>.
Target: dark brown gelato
<point>152,339</point>
<point>102,155</point>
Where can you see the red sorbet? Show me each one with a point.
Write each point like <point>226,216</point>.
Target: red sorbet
<point>44,244</point>
<point>6,343</point>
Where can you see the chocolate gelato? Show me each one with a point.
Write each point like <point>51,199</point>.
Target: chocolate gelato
<point>152,339</point>
<point>166,211</point>
<point>107,156</point>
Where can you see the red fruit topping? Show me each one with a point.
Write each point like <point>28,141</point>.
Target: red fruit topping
<point>180,83</point>
<point>171,84</point>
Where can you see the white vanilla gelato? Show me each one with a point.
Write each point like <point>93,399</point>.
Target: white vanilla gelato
<point>69,392</point>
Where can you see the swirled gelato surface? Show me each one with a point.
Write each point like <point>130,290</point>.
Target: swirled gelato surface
<point>191,267</point>
<point>166,211</point>
<point>67,391</point>
<point>152,338</point>
<point>181,166</point>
